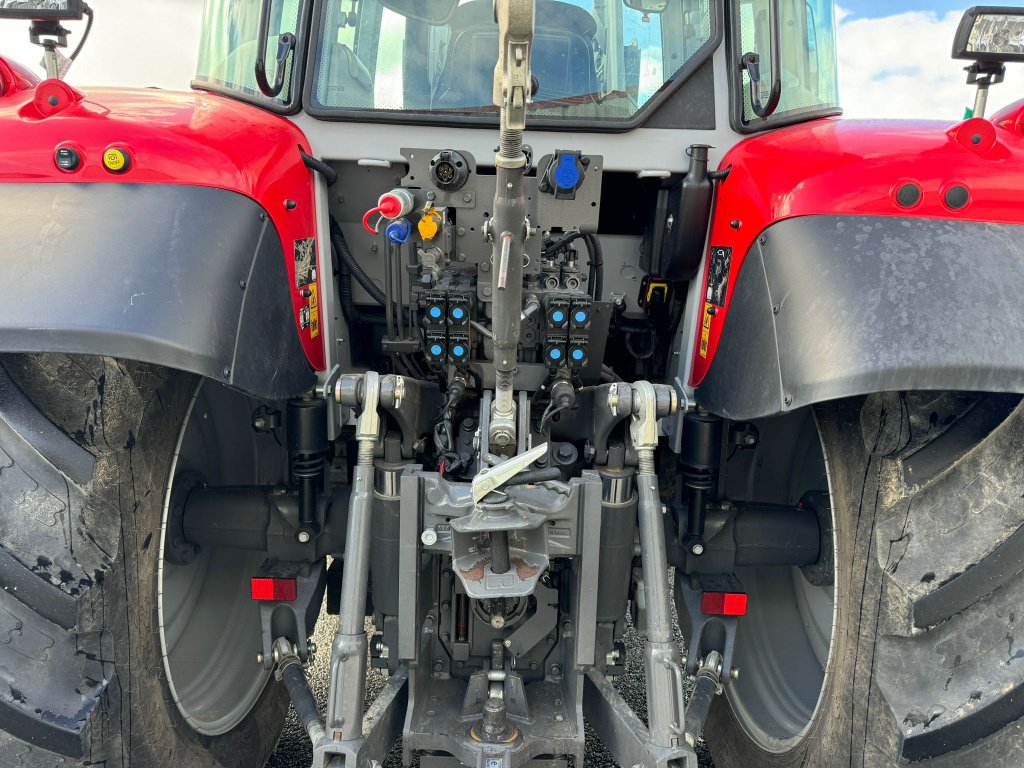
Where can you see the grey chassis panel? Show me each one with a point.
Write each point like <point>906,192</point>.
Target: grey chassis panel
<point>152,273</point>
<point>870,304</point>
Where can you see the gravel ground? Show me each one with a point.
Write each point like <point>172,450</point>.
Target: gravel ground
<point>293,749</point>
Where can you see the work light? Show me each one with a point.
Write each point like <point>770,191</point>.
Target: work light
<point>988,33</point>
<point>42,10</point>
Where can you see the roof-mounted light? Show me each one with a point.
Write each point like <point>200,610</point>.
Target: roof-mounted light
<point>990,33</point>
<point>988,36</point>
<point>52,10</point>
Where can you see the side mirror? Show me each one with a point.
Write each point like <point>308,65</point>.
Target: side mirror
<point>990,34</point>
<point>42,10</point>
<point>434,12</point>
<point>647,6</point>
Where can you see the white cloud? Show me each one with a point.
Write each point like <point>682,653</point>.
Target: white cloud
<point>132,43</point>
<point>899,66</point>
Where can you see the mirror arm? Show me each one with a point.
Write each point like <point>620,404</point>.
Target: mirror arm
<point>752,63</point>
<point>286,43</point>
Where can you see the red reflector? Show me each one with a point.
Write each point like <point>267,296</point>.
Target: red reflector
<point>723,603</point>
<point>273,589</point>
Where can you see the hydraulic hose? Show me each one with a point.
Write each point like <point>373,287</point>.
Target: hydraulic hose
<point>315,164</point>
<point>596,255</point>
<point>305,705</point>
<point>338,241</point>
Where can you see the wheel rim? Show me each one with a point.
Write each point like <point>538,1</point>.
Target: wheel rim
<point>209,626</point>
<point>784,643</point>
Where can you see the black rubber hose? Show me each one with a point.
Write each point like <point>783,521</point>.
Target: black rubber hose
<point>705,689</point>
<point>348,304</point>
<point>315,164</point>
<point>596,255</point>
<point>338,241</point>
<point>534,476</point>
<point>305,705</point>
<point>554,246</point>
<point>88,28</point>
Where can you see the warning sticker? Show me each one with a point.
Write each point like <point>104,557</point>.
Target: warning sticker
<point>705,330</point>
<point>305,262</point>
<point>314,313</point>
<point>718,274</point>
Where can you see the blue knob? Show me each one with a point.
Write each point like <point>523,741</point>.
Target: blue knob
<point>556,354</point>
<point>558,316</point>
<point>436,350</point>
<point>459,350</point>
<point>581,317</point>
<point>458,313</point>
<point>577,354</point>
<point>435,312</point>
<point>398,231</point>
<point>567,175</point>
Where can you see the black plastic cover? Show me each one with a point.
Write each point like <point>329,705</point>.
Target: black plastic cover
<point>187,277</point>
<point>827,307</point>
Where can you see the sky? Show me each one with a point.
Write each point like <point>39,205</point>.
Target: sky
<point>894,55</point>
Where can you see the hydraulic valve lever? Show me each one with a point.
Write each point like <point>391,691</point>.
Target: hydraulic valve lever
<point>492,478</point>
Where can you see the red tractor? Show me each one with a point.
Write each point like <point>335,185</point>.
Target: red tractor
<point>511,332</point>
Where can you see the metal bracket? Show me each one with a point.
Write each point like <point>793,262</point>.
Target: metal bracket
<point>512,82</point>
<point>643,429</point>
<point>382,726</point>
<point>412,404</point>
<point>623,733</point>
<point>368,425</point>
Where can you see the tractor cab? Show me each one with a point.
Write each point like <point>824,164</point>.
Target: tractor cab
<point>601,65</point>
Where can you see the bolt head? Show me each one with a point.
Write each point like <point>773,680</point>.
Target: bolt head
<point>429,537</point>
<point>259,659</point>
<point>303,537</point>
<point>734,673</point>
<point>697,549</point>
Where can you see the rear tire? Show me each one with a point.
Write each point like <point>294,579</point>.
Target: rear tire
<point>86,451</point>
<point>927,661</point>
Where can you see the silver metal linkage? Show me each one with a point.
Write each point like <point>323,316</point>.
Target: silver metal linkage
<point>509,227</point>
<point>665,705</point>
<point>348,654</point>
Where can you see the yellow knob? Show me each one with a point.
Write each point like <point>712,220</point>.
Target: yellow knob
<point>116,160</point>
<point>429,224</point>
